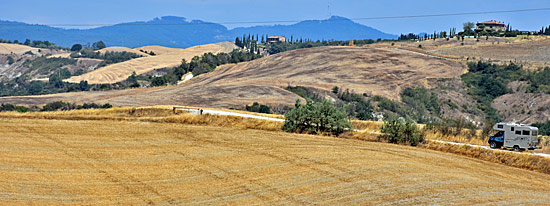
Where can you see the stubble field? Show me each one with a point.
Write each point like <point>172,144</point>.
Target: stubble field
<point>52,162</point>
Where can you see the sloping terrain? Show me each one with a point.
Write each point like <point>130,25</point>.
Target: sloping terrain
<point>108,162</point>
<point>374,71</point>
<point>16,48</point>
<point>530,51</point>
<point>15,61</point>
<point>122,49</point>
<point>522,106</point>
<point>165,58</point>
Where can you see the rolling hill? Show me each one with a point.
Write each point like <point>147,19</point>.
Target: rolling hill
<point>164,58</point>
<point>171,31</point>
<point>16,49</point>
<point>374,71</point>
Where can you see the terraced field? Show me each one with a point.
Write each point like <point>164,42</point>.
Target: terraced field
<point>116,162</point>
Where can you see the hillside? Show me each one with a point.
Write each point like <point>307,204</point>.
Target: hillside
<point>171,31</point>
<point>374,71</point>
<point>122,49</point>
<point>536,50</point>
<point>16,49</point>
<point>55,162</point>
<point>164,58</point>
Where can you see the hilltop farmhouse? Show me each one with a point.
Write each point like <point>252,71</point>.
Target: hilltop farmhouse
<point>490,26</point>
<point>273,39</point>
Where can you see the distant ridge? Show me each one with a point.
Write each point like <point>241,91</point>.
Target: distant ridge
<point>172,31</point>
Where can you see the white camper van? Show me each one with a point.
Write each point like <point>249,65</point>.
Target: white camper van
<point>516,136</point>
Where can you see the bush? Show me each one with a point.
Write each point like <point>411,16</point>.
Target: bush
<point>158,81</point>
<point>11,107</point>
<point>10,60</point>
<point>396,131</point>
<point>315,118</point>
<point>76,47</point>
<point>259,108</point>
<point>65,106</point>
<point>56,106</point>
<point>544,127</point>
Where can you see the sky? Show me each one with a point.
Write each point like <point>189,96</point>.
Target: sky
<point>63,12</point>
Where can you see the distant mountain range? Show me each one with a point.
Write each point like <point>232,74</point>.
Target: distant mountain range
<point>178,32</point>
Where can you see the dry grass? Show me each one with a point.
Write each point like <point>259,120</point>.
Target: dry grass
<point>366,125</point>
<point>150,114</point>
<point>67,162</point>
<point>279,116</point>
<point>519,160</point>
<point>524,51</point>
<point>15,48</point>
<point>165,58</point>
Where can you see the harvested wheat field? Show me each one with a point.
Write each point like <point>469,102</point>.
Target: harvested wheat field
<point>525,51</point>
<point>165,58</point>
<point>53,162</point>
<point>15,48</point>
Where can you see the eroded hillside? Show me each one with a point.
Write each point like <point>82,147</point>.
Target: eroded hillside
<point>374,71</point>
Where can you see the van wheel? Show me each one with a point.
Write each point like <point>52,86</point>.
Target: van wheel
<point>517,149</point>
<point>493,145</point>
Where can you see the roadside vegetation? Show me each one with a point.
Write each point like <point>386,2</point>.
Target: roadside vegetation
<point>258,108</point>
<point>397,131</point>
<point>53,106</point>
<point>317,118</point>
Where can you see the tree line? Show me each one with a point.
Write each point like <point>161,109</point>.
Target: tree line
<point>35,43</point>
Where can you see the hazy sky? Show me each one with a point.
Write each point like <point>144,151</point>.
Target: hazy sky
<point>118,11</point>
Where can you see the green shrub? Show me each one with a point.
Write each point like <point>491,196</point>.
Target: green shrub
<point>315,118</point>
<point>258,108</point>
<point>10,60</point>
<point>544,127</point>
<point>11,107</point>
<point>397,131</point>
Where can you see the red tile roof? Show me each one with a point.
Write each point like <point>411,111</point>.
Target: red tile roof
<point>492,22</point>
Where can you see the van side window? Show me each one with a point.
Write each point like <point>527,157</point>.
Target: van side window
<point>518,132</point>
<point>512,129</point>
<point>500,126</point>
<point>535,133</point>
<point>526,132</point>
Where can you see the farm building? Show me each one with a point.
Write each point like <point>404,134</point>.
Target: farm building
<point>491,26</point>
<point>273,39</point>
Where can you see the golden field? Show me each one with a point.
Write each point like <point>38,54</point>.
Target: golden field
<point>149,156</point>
<point>164,58</point>
<point>15,48</point>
